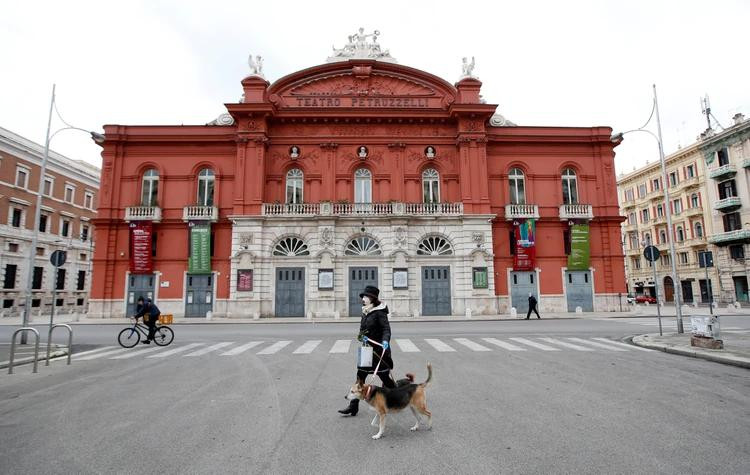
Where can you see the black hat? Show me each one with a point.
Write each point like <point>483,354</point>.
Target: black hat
<point>371,291</point>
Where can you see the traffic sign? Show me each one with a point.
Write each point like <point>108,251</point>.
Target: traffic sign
<point>651,253</point>
<point>58,258</point>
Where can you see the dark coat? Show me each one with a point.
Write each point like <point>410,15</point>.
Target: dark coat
<point>150,309</point>
<point>375,327</point>
<point>532,302</point>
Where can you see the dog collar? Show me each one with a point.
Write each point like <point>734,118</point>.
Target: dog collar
<point>367,393</point>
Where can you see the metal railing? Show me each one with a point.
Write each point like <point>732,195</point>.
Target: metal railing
<point>70,340</point>
<point>13,348</point>
<point>723,170</point>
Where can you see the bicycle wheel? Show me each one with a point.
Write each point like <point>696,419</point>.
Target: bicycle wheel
<point>128,337</point>
<point>163,336</point>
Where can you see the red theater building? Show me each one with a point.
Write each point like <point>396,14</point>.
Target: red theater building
<point>355,172</point>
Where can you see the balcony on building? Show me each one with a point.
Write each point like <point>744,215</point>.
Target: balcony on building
<point>576,211</point>
<point>724,171</point>
<point>633,251</point>
<point>728,204</point>
<point>142,213</point>
<point>693,211</point>
<point>730,237</point>
<point>746,163</point>
<point>362,209</point>
<point>689,183</point>
<point>513,211</point>
<point>696,242</point>
<point>659,220</point>
<point>630,227</point>
<point>200,213</point>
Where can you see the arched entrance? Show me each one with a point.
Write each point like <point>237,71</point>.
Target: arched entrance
<point>668,289</point>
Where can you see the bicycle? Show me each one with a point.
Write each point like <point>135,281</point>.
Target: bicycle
<point>130,336</point>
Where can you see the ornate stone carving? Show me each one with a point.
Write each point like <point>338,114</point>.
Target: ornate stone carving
<point>245,239</point>
<point>361,47</point>
<point>326,237</point>
<point>256,66</point>
<point>498,120</point>
<point>375,86</point>
<point>478,238</point>
<point>400,237</point>
<point>223,119</point>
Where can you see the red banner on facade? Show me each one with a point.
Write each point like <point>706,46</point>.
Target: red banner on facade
<point>141,234</point>
<point>524,232</point>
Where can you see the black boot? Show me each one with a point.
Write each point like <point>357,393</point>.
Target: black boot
<point>352,409</point>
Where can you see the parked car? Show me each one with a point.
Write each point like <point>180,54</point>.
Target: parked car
<point>630,298</point>
<point>644,299</point>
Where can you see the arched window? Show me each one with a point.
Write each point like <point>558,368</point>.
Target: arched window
<point>431,186</point>
<point>290,247</point>
<point>694,200</point>
<point>680,234</point>
<point>294,182</point>
<point>662,237</point>
<point>363,246</point>
<point>363,186</point>
<point>698,230</point>
<point>517,193</point>
<point>150,188</point>
<point>434,246</point>
<point>206,181</point>
<point>647,238</point>
<point>569,186</point>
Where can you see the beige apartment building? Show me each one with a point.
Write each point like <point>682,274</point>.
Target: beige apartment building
<point>710,203</point>
<point>68,207</point>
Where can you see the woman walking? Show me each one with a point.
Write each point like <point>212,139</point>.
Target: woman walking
<point>374,327</point>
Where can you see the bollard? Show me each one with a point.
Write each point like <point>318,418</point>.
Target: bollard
<point>468,313</point>
<point>209,315</point>
<point>695,304</point>
<point>579,309</point>
<point>513,312</point>
<point>336,315</point>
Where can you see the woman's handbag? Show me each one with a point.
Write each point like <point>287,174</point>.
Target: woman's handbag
<point>364,356</point>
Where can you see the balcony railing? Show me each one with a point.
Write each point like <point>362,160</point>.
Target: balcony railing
<point>576,211</point>
<point>363,209</point>
<point>739,235</point>
<point>521,211</point>
<point>290,209</point>
<point>728,204</point>
<point>723,171</point>
<point>434,208</point>
<point>689,182</point>
<point>142,213</point>
<point>200,213</point>
<point>696,242</point>
<point>746,163</point>
<point>693,211</point>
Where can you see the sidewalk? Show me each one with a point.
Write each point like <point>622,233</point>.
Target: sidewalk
<point>736,347</point>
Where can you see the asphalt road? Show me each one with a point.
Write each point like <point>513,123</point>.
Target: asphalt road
<point>234,409</point>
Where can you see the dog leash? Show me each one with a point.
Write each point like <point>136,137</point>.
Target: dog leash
<point>380,360</point>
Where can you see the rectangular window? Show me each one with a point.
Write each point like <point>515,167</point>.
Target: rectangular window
<point>82,256</point>
<point>7,303</point>
<point>723,156</point>
<point>49,186</point>
<point>690,171</point>
<point>512,241</point>
<point>79,302</point>
<point>665,260</point>
<point>631,218</point>
<point>81,283</point>
<point>10,276</point>
<point>479,279</point>
<point>65,228</point>
<point>39,251</point>
<point>70,193</point>
<point>645,216</point>
<point>636,261</point>
<point>42,223</point>
<point>60,279</point>
<point>22,177</point>
<point>634,241</point>
<point>36,302</point>
<point>59,302</point>
<point>673,179</point>
<point>683,258</point>
<point>88,200</point>
<point>12,247</point>
<point>84,232</point>
<point>36,282</point>
<point>727,189</point>
<point>641,190</point>
<point>16,216</point>
<point>655,183</point>
<point>629,195</point>
<point>732,222</point>
<point>566,242</point>
<point>659,211</point>
<point>737,252</point>
<point>677,206</point>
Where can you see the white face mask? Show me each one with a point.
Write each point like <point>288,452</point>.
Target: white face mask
<point>366,301</point>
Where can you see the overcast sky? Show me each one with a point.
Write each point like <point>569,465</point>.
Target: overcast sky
<point>571,63</point>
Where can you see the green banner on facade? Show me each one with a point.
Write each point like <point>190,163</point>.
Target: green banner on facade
<point>579,247</point>
<point>200,248</point>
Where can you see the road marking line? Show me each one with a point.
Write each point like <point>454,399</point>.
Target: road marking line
<point>174,351</point>
<point>471,345</point>
<point>619,343</point>
<point>565,344</point>
<point>134,353</point>
<point>439,345</point>
<point>406,345</point>
<point>274,348</point>
<point>341,346</point>
<point>535,344</point>
<point>97,350</point>
<point>209,349</point>
<point>241,348</point>
<point>308,347</point>
<point>503,345</point>
<point>598,345</point>
<point>101,354</point>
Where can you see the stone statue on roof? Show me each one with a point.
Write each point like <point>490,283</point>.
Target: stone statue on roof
<point>256,65</point>
<point>361,46</point>
<point>468,68</point>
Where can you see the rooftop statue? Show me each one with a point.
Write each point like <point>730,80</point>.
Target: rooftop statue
<point>256,66</point>
<point>360,48</point>
<point>468,68</point>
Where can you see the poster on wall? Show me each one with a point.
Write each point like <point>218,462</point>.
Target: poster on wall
<point>199,261</point>
<point>579,247</point>
<point>525,235</point>
<point>325,279</point>
<point>400,278</point>
<point>244,280</point>
<point>479,277</point>
<point>141,235</point>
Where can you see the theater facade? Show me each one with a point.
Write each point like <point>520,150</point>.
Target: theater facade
<point>359,171</point>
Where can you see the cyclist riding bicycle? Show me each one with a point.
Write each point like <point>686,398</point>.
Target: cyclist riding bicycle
<point>150,314</point>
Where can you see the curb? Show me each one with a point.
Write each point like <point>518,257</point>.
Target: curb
<point>686,351</point>
<point>30,360</point>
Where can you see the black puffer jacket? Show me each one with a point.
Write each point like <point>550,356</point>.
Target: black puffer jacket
<point>374,325</point>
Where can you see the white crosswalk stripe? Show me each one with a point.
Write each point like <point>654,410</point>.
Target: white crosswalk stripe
<point>100,354</point>
<point>406,345</point>
<point>596,344</point>
<point>209,349</point>
<point>439,345</point>
<point>566,344</point>
<point>341,346</point>
<point>241,349</point>
<point>534,344</point>
<point>90,352</point>
<point>174,351</point>
<point>619,343</point>
<point>134,353</point>
<point>471,345</point>
<point>503,344</point>
<point>308,347</point>
<point>274,348</point>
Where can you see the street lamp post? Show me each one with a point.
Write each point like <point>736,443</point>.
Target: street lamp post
<point>665,188</point>
<point>98,138</point>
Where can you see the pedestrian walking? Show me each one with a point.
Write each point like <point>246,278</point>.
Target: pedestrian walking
<point>374,327</point>
<point>532,306</point>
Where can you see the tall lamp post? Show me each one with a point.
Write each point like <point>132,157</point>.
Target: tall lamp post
<point>667,204</point>
<point>96,137</point>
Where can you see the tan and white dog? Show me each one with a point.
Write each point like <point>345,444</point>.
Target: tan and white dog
<point>385,400</point>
